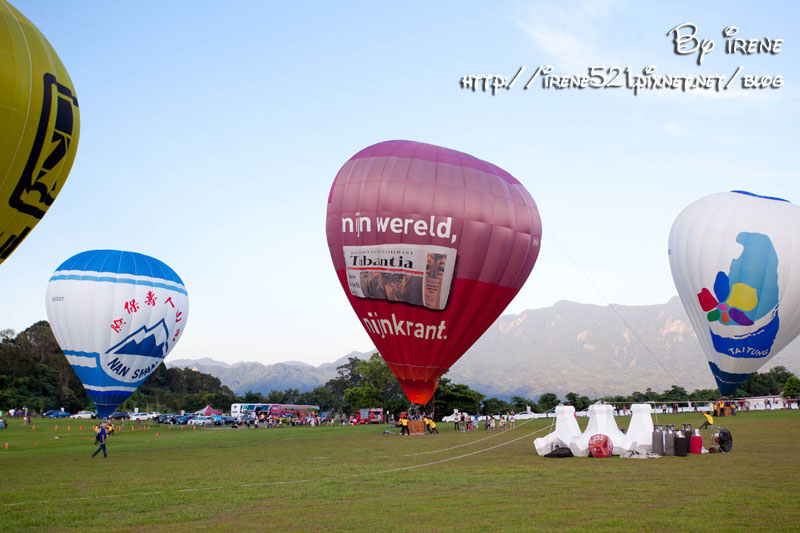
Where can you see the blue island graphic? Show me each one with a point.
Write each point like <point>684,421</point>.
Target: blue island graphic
<point>745,296</point>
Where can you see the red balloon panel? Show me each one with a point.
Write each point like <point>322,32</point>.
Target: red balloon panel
<point>430,245</point>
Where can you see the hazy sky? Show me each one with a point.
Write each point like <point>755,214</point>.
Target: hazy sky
<point>211,133</point>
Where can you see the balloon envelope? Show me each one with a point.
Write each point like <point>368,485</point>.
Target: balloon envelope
<point>116,316</point>
<point>430,245</point>
<point>39,127</point>
<point>734,258</point>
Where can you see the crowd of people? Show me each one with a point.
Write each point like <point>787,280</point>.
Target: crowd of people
<point>272,421</point>
<point>496,422</point>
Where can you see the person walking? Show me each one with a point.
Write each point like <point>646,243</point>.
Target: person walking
<point>100,439</point>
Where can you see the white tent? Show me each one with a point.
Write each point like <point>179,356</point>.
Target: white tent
<point>639,436</point>
<point>601,420</point>
<point>565,432</point>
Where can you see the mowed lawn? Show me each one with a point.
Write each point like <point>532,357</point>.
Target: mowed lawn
<point>348,478</point>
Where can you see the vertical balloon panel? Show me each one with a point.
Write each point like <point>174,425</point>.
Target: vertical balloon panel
<point>116,316</point>
<point>430,245</point>
<point>731,257</point>
<point>40,127</point>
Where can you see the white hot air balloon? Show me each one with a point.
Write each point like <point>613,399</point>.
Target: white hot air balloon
<point>735,260</point>
<point>116,316</point>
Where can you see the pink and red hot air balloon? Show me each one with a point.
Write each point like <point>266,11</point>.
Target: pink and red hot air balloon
<point>430,246</point>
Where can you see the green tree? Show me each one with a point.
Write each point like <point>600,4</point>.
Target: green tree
<point>253,397</point>
<point>780,374</point>
<point>348,376</point>
<point>547,401</point>
<point>36,373</point>
<point>675,393</point>
<point>495,406</point>
<point>791,388</point>
<point>521,404</point>
<point>578,402</point>
<point>450,396</point>
<point>288,396</point>
<point>704,395</point>
<point>363,384</point>
<point>646,396</point>
<point>321,396</point>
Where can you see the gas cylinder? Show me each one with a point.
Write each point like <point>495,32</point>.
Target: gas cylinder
<point>658,440</point>
<point>681,444</point>
<point>669,440</point>
<point>696,442</point>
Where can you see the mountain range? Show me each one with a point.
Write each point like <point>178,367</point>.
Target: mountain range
<point>570,347</point>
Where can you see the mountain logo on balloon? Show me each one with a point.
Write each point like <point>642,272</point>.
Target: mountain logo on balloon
<point>150,342</point>
<point>743,310</point>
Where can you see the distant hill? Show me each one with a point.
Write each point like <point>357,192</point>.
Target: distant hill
<point>257,377</point>
<point>569,347</point>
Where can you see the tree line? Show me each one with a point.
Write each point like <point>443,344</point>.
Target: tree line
<point>35,374</point>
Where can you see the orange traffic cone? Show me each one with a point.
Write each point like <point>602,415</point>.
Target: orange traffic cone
<point>80,428</point>
<point>67,428</point>
<point>56,428</point>
<point>157,433</point>
<point>6,446</point>
<point>181,428</point>
<point>34,444</point>
<point>194,428</point>
<point>33,428</point>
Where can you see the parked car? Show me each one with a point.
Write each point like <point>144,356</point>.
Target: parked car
<point>183,419</point>
<point>201,420</point>
<point>139,416</point>
<point>50,413</point>
<point>227,420</point>
<point>84,414</point>
<point>164,419</point>
<point>57,414</point>
<point>118,415</point>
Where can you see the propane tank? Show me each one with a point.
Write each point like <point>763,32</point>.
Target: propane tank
<point>696,442</point>
<point>669,440</point>
<point>658,440</point>
<point>681,444</point>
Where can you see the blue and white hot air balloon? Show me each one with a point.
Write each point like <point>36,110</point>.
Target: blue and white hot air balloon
<point>735,260</point>
<point>116,316</point>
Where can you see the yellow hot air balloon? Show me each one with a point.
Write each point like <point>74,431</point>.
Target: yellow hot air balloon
<point>39,127</point>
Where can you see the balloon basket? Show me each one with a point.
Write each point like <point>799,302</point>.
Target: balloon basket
<point>416,427</point>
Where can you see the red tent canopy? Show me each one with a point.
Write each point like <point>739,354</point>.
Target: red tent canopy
<point>208,410</point>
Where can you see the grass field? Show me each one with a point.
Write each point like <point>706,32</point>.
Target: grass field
<point>347,478</point>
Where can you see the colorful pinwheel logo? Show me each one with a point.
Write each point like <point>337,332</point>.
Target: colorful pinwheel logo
<point>731,302</point>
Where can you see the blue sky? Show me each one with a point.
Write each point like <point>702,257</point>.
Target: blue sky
<point>211,133</point>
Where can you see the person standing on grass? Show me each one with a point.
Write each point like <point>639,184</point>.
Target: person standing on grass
<point>432,427</point>
<point>404,425</point>
<point>100,438</point>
